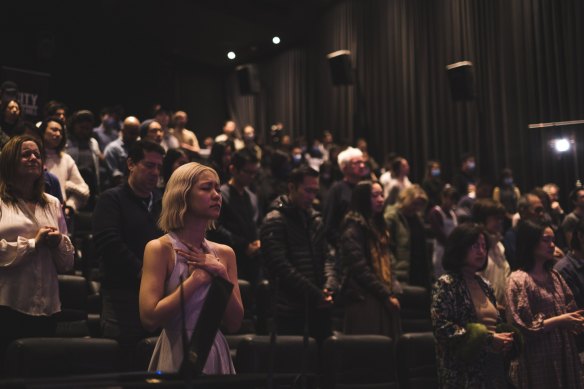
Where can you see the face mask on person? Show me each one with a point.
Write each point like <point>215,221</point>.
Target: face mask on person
<point>366,171</point>
<point>471,166</point>
<point>508,181</point>
<point>435,172</point>
<point>296,158</point>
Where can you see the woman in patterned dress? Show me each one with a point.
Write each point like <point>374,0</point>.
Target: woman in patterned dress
<point>465,318</point>
<point>541,304</point>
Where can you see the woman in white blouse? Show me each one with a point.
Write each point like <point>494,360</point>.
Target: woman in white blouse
<point>75,190</point>
<point>33,244</point>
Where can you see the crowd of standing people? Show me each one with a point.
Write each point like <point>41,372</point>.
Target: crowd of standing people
<point>334,233</point>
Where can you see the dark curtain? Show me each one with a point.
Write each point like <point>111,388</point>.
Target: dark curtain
<point>527,60</point>
<point>283,98</point>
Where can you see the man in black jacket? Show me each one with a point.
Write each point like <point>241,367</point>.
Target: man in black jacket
<point>238,224</point>
<point>336,206</point>
<point>124,220</point>
<point>299,259</point>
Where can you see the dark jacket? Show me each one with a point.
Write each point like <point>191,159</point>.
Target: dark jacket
<point>296,253</point>
<point>571,269</point>
<point>359,275</point>
<point>122,225</point>
<point>335,209</point>
<point>238,219</point>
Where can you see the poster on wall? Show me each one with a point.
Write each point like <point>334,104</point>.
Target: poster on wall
<point>32,90</point>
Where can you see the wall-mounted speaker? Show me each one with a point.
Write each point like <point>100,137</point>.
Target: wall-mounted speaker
<point>341,67</point>
<point>461,78</point>
<point>247,77</point>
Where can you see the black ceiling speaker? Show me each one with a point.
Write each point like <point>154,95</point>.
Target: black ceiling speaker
<point>247,77</point>
<point>341,67</point>
<point>461,79</point>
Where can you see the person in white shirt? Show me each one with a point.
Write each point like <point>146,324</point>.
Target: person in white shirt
<point>230,133</point>
<point>74,188</point>
<point>491,214</point>
<point>186,138</point>
<point>34,245</point>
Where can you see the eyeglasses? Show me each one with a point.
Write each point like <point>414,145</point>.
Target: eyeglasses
<point>479,246</point>
<point>547,239</point>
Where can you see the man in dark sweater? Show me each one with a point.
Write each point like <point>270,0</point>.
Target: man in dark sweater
<point>465,180</point>
<point>298,259</point>
<point>238,222</point>
<point>354,169</point>
<point>574,217</point>
<point>124,220</point>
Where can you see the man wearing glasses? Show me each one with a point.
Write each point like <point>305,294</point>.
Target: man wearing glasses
<point>336,205</point>
<point>124,220</point>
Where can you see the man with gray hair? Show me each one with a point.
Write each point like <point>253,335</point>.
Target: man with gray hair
<point>354,169</point>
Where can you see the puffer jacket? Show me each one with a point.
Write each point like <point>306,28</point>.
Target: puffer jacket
<point>296,255</point>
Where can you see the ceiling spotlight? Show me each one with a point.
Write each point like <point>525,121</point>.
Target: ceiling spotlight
<point>561,145</point>
<point>231,55</point>
<point>276,40</point>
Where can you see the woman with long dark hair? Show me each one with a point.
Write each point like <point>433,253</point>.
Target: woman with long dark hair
<point>10,113</point>
<point>220,159</point>
<point>541,304</point>
<point>370,285</point>
<point>173,159</point>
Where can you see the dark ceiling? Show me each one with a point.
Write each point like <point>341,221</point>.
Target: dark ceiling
<point>41,34</point>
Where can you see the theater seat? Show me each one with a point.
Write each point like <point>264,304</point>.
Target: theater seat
<point>144,350</point>
<point>263,304</point>
<point>234,340</point>
<point>415,309</point>
<point>254,355</point>
<point>417,361</point>
<point>53,357</point>
<point>72,321</point>
<point>248,322</point>
<point>359,361</point>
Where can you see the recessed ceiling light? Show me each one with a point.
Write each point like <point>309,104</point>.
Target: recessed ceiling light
<point>276,40</point>
<point>561,145</point>
<point>231,55</point>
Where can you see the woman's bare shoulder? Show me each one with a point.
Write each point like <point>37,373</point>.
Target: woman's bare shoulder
<point>221,250</point>
<point>162,245</point>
